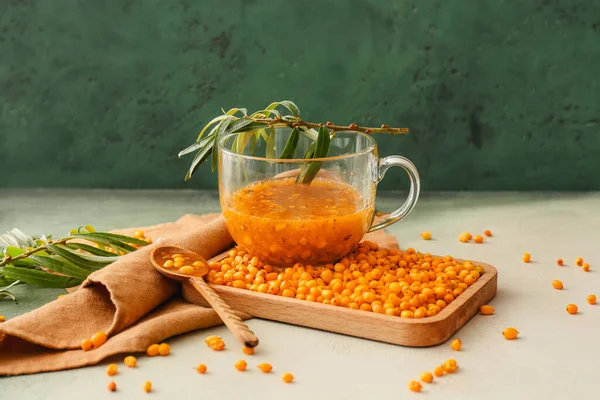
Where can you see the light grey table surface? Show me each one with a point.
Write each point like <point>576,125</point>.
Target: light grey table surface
<point>555,356</point>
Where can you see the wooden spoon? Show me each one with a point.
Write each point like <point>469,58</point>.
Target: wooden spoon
<point>235,324</point>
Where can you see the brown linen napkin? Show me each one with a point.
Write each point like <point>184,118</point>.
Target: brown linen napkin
<point>129,300</point>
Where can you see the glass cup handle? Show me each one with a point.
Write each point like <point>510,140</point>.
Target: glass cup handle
<point>413,194</point>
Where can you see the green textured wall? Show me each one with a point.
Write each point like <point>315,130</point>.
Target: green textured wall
<point>497,94</point>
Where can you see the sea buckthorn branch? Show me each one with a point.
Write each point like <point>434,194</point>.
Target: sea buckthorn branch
<point>252,128</point>
<point>61,263</point>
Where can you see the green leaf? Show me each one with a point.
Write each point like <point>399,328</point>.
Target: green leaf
<point>223,125</point>
<point>4,281</point>
<point>103,260</point>
<point>234,111</point>
<point>199,144</point>
<point>321,149</point>
<point>291,144</point>
<point>291,106</point>
<point>115,236</point>
<point>91,249</point>
<point>200,157</point>
<point>7,295</point>
<point>62,267</point>
<point>238,124</point>
<point>211,123</point>
<point>323,141</point>
<point>118,241</point>
<point>40,278</point>
<point>22,239</point>
<point>271,143</point>
<point>253,126</point>
<point>254,142</point>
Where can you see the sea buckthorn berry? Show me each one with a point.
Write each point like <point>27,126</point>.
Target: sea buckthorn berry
<point>265,367</point>
<point>138,234</point>
<point>465,237</point>
<point>86,345</point>
<point>248,350</point>
<point>438,371</point>
<point>591,299</point>
<point>560,262</point>
<point>487,232</point>
<point>287,377</point>
<point>201,369</point>
<point>111,370</point>
<point>427,377</point>
<point>526,257</point>
<point>130,361</point>
<point>152,350</point>
<point>414,386</point>
<point>572,309</point>
<point>558,285</point>
<point>510,333</point>
<point>164,349</point>
<point>98,339</point>
<point>168,264</point>
<point>426,235</point>
<point>450,366</point>
<point>585,267</point>
<point>147,386</point>
<point>60,296</point>
<point>478,239</point>
<point>241,365</point>
<point>187,270</point>
<point>370,278</point>
<point>579,261</point>
<point>486,310</point>
<point>112,386</point>
<point>456,345</point>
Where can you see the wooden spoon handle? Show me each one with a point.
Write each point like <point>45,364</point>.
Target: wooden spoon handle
<point>235,324</point>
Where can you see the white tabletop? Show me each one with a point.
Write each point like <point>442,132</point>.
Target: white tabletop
<point>555,356</point>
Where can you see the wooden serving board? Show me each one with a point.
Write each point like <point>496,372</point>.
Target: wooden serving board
<point>423,332</point>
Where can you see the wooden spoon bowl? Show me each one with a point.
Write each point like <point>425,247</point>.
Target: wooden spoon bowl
<point>194,268</point>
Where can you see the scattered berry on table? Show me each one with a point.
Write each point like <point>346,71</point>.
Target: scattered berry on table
<point>486,309</point>
<point>414,386</point>
<point>585,267</point>
<point>556,284</point>
<point>572,309</point>
<point>510,333</point>
<point>152,350</point>
<point>265,367</point>
<point>427,377</point>
<point>456,344</point>
<point>111,370</point>
<point>241,365</point>
<point>164,349</point>
<point>201,368</point>
<point>130,361</point>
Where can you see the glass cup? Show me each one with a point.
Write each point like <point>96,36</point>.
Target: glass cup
<point>281,221</point>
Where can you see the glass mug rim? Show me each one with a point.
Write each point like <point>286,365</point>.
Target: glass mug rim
<point>369,149</point>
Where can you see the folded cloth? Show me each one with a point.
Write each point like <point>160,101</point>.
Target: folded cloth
<point>128,300</point>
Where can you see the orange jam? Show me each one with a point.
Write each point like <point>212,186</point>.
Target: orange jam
<point>283,222</point>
